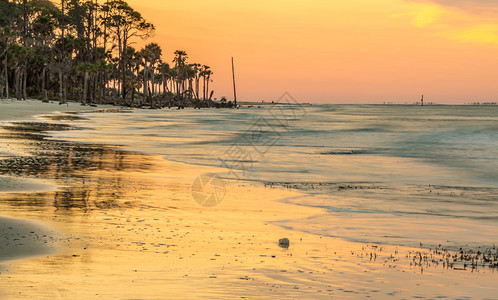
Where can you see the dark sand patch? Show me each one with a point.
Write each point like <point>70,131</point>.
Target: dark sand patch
<point>20,185</point>
<point>22,238</point>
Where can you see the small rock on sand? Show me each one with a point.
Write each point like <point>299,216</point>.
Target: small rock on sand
<point>284,243</point>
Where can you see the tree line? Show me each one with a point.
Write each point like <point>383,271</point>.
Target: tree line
<point>82,50</point>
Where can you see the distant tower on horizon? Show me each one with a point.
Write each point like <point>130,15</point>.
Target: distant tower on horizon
<point>422,101</point>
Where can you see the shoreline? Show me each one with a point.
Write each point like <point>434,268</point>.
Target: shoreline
<point>26,110</point>
<point>24,238</point>
<point>121,233</point>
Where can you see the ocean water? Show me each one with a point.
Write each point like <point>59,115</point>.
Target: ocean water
<point>401,175</point>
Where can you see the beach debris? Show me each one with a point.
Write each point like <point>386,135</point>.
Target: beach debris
<point>476,259</point>
<point>284,243</point>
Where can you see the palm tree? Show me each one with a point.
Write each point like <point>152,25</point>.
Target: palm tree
<point>180,59</point>
<point>206,77</point>
<point>197,70</point>
<point>164,73</point>
<point>173,74</point>
<point>21,57</point>
<point>154,53</point>
<point>135,62</point>
<point>102,67</point>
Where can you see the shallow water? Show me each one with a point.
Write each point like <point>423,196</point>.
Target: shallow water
<point>132,229</point>
<point>400,175</point>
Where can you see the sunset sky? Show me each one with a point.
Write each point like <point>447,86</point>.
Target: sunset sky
<point>355,51</point>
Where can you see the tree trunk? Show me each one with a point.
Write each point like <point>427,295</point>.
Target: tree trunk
<point>105,29</point>
<point>164,86</point>
<point>17,83</point>
<point>153,81</point>
<point>7,75</point>
<point>191,87</point>
<point>64,92</point>
<point>44,84</point>
<point>120,61</point>
<point>123,70</point>
<point>92,89</point>
<point>150,97</point>
<point>95,95</point>
<point>178,88</point>
<point>207,88</point>
<point>146,80</point>
<point>103,88</point>
<point>183,88</point>
<point>61,87</point>
<point>197,88</point>
<point>24,84</point>
<point>204,88</point>
<point>164,92</point>
<point>85,88</point>
<point>25,23</point>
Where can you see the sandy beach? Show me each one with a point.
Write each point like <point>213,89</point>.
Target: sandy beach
<point>20,237</point>
<point>101,222</point>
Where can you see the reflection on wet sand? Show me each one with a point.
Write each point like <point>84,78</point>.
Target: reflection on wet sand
<point>132,231</point>
<point>91,176</point>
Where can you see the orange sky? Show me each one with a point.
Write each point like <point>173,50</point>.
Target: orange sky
<point>355,51</point>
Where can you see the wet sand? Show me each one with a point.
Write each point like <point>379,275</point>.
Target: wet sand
<point>19,237</point>
<point>130,229</point>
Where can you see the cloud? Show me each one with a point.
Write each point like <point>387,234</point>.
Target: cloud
<point>466,21</point>
<point>422,14</point>
<point>426,15</point>
<point>483,34</point>
<point>481,7</point>
<point>473,21</point>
